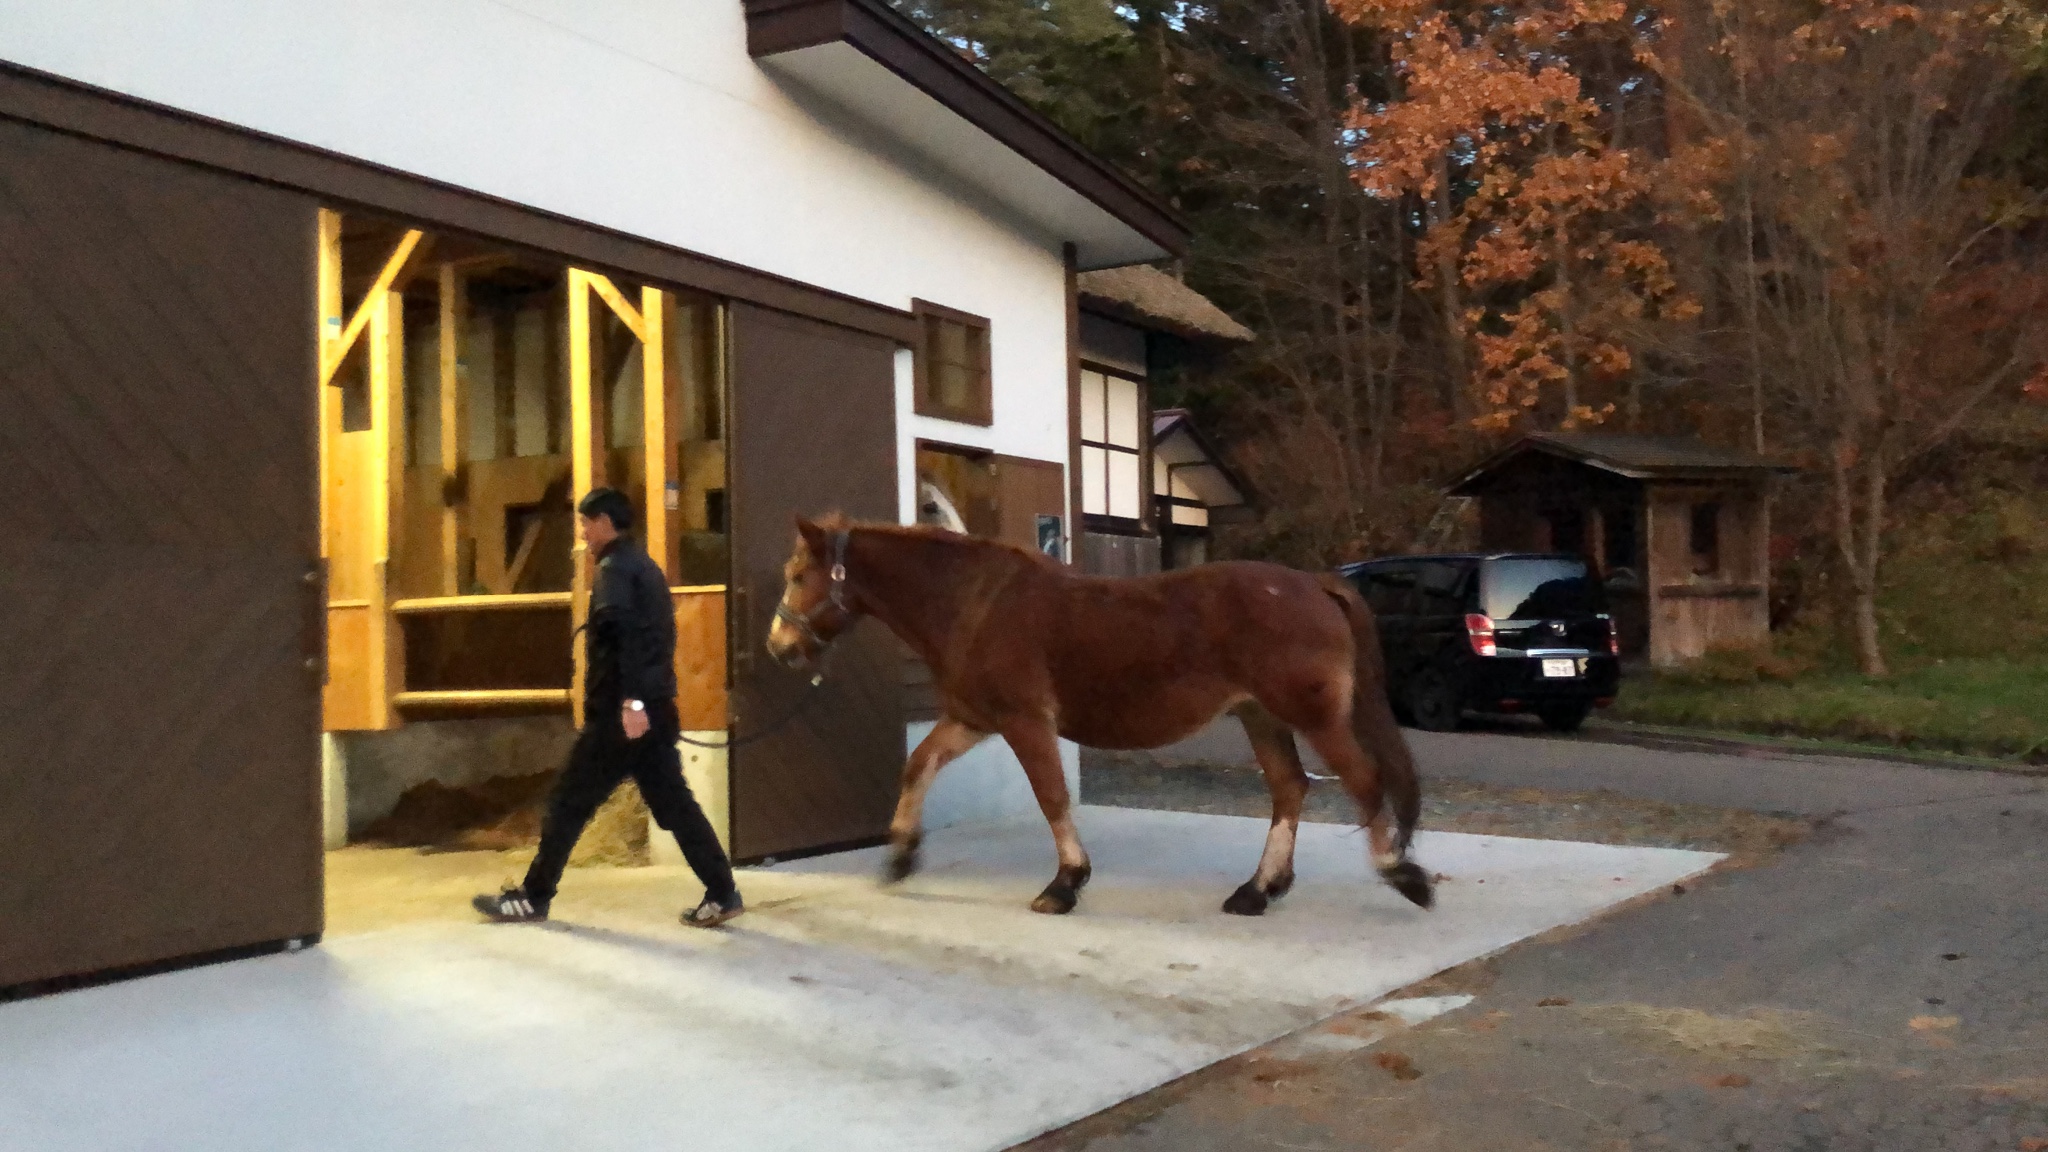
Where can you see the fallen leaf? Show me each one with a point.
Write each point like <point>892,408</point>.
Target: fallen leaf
<point>1933,1023</point>
<point>1953,955</point>
<point>1937,1041</point>
<point>2034,1144</point>
<point>1182,967</point>
<point>1397,1064</point>
<point>1678,889</point>
<point>1731,1080</point>
<point>1553,1002</point>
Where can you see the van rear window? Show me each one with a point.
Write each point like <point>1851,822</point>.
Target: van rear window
<point>1536,589</point>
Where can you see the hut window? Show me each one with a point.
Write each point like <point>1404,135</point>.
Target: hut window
<point>1112,448</point>
<point>1706,539</point>
<point>952,365</point>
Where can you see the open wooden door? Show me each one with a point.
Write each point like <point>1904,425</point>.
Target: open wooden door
<point>160,590</point>
<point>813,431</point>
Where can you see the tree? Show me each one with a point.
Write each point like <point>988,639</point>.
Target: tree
<point>1889,290</point>
<point>1540,243</point>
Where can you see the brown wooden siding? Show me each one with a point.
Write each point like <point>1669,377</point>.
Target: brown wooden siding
<point>159,592</point>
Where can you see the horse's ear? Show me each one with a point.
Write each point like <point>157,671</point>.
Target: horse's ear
<point>813,535</point>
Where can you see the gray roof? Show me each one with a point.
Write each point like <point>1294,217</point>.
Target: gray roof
<point>1634,457</point>
<point>1145,297</point>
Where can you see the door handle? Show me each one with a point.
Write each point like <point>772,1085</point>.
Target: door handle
<point>313,618</point>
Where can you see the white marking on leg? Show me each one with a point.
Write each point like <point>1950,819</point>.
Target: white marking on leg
<point>1278,858</point>
<point>1068,839</point>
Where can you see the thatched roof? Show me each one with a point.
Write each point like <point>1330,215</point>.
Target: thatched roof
<point>1147,298</point>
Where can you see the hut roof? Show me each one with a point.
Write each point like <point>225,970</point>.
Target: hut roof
<point>1632,457</point>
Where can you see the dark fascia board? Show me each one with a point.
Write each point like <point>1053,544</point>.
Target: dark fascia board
<point>1466,484</point>
<point>928,64</point>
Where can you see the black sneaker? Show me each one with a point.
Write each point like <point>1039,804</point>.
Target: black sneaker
<point>512,906</point>
<point>710,914</point>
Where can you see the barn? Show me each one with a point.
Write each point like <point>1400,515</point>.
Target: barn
<point>315,321</point>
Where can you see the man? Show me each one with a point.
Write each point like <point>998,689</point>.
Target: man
<point>630,726</point>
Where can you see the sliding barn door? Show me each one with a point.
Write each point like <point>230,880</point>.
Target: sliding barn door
<point>813,430</point>
<point>160,596</point>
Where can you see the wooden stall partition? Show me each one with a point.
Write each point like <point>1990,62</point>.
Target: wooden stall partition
<point>701,674</point>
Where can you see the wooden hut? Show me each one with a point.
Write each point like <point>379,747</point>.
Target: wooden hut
<point>1679,531</point>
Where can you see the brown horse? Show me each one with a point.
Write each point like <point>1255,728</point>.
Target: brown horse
<point>1021,646</point>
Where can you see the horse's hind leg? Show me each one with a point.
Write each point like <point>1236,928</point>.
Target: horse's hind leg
<point>1340,749</point>
<point>1037,747</point>
<point>1273,744</point>
<point>947,740</point>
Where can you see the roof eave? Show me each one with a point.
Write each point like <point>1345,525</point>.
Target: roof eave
<point>882,34</point>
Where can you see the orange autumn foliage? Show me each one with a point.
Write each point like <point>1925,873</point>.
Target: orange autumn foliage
<point>1551,231</point>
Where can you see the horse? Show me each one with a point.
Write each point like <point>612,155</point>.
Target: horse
<point>1021,646</point>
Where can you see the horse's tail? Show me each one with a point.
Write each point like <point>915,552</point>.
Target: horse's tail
<point>1372,717</point>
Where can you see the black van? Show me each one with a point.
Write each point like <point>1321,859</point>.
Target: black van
<point>1500,633</point>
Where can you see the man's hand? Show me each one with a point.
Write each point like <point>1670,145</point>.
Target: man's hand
<point>634,721</point>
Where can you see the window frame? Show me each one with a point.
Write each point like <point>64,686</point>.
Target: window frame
<point>981,409</point>
<point>1146,521</point>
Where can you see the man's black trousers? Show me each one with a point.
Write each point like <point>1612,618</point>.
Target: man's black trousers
<point>602,758</point>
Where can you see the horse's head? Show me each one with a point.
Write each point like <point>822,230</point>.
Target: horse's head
<point>815,607</point>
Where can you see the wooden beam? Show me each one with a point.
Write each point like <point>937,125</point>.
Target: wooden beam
<point>483,698</point>
<point>454,426</point>
<point>634,320</point>
<point>397,270</point>
<point>386,323</point>
<point>582,466</point>
<point>525,601</point>
<point>657,456</point>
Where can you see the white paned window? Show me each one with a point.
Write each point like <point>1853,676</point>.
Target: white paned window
<point>1112,447</point>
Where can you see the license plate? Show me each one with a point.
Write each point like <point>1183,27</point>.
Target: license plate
<point>1560,669</point>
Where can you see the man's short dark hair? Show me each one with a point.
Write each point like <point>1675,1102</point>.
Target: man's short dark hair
<point>608,502</point>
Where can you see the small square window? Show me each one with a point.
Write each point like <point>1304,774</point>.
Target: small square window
<point>952,358</point>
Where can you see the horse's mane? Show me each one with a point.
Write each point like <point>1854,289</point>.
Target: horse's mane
<point>839,522</point>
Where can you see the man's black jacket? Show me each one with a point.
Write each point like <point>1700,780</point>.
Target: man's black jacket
<point>630,645</point>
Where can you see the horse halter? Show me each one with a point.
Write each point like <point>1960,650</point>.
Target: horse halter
<point>806,623</point>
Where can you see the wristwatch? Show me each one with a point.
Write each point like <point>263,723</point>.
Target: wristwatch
<point>636,705</point>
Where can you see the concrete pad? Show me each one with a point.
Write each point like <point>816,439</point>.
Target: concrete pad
<point>940,1015</point>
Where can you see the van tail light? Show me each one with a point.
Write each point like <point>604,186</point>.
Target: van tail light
<point>1613,636</point>
<point>1480,629</point>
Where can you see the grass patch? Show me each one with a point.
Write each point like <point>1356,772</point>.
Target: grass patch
<point>1986,706</point>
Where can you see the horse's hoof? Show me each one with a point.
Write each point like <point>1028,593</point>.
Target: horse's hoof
<point>1281,886</point>
<point>1056,900</point>
<point>1411,881</point>
<point>902,866</point>
<point>1246,901</point>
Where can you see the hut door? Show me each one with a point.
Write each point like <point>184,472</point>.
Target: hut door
<point>813,430</point>
<point>161,623</point>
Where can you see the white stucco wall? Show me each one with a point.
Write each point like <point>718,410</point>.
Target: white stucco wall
<point>644,116</point>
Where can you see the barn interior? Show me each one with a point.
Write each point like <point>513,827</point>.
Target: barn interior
<point>468,389</point>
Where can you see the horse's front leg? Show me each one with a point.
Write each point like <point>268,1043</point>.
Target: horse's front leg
<point>947,740</point>
<point>1037,746</point>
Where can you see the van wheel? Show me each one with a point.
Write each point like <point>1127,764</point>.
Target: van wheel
<point>1564,717</point>
<point>1434,703</point>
